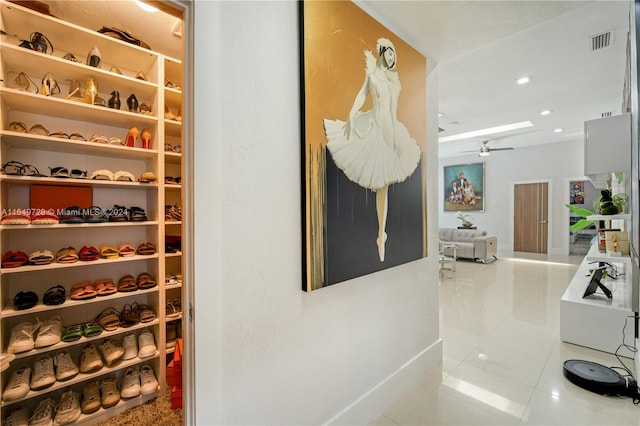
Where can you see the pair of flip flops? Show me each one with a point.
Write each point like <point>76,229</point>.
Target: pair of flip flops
<point>41,257</point>
<point>14,259</point>
<point>109,252</point>
<point>90,289</point>
<point>56,295</point>
<point>16,217</point>
<point>144,281</point>
<point>146,249</point>
<point>67,255</point>
<point>76,331</point>
<point>89,253</point>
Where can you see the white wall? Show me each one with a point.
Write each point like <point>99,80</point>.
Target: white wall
<point>553,163</point>
<point>267,353</point>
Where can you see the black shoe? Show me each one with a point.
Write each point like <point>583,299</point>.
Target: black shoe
<point>132,103</point>
<point>114,101</point>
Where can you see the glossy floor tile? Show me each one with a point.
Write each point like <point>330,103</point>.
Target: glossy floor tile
<point>502,354</point>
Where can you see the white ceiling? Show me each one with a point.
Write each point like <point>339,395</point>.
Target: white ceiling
<point>482,47</point>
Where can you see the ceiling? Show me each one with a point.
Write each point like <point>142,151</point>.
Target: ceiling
<point>482,47</point>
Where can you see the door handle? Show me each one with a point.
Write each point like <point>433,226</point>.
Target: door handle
<point>543,221</point>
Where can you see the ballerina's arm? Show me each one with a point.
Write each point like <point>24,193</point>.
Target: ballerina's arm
<point>357,104</point>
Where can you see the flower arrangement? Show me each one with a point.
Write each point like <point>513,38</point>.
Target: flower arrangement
<point>465,219</point>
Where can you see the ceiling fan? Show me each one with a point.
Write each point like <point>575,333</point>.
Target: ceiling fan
<point>485,149</point>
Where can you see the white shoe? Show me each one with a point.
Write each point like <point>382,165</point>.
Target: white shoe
<point>49,333</point>
<point>65,367</point>
<point>18,384</point>
<point>91,398</point>
<point>19,417</point>
<point>148,382</point>
<point>90,359</point>
<point>5,361</point>
<point>68,410</point>
<point>43,374</point>
<point>146,344</point>
<point>130,383</point>
<point>111,352</point>
<point>109,391</point>
<point>130,344</point>
<point>43,416</point>
<point>21,339</point>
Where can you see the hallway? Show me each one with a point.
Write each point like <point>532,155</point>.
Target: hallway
<point>502,354</point>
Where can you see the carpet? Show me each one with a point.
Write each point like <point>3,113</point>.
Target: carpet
<point>152,413</point>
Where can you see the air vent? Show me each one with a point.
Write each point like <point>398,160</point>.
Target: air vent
<point>606,114</point>
<point>600,41</point>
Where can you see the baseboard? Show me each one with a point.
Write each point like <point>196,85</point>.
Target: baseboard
<point>369,406</point>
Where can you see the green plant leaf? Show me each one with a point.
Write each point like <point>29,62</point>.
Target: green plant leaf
<point>580,225</point>
<point>582,212</point>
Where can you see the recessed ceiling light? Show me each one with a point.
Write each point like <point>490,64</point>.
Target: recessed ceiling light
<point>488,131</point>
<point>523,80</point>
<point>145,6</point>
<point>545,112</point>
<point>558,130</point>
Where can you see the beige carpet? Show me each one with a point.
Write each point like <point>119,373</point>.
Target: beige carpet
<point>153,413</point>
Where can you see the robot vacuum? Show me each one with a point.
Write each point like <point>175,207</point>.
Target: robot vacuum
<point>597,378</point>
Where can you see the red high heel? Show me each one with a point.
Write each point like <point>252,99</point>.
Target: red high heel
<point>132,135</point>
<point>145,138</point>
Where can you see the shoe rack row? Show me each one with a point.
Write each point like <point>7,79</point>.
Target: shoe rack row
<point>72,91</point>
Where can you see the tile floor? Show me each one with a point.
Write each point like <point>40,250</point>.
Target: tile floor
<point>502,354</point>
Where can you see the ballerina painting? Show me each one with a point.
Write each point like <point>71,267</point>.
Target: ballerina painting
<point>364,146</point>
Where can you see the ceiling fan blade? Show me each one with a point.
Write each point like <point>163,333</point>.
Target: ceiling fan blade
<point>500,149</point>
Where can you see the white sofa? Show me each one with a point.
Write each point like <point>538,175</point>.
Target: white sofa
<point>472,244</point>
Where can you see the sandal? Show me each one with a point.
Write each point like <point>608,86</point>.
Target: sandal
<point>146,249</point>
<point>118,214</point>
<point>124,176</point>
<point>67,255</point>
<point>144,312</point>
<point>59,172</point>
<point>16,217</point>
<point>83,291</point>
<point>17,126</point>
<point>145,280</point>
<point>109,252</point>
<point>39,129</point>
<point>29,170</point>
<point>72,215</point>
<point>128,316</point>
<point>89,253</point>
<point>147,177</point>
<point>44,217</point>
<point>91,329</point>
<point>102,175</point>
<point>105,287</point>
<point>78,174</point>
<point>109,319</point>
<point>171,312</point>
<point>126,250</point>
<point>54,296</point>
<point>72,333</point>
<point>99,139</point>
<point>41,257</point>
<point>127,284</point>
<point>95,214</point>
<point>12,168</point>
<point>25,300</point>
<point>77,137</point>
<point>15,259</point>
<point>137,214</point>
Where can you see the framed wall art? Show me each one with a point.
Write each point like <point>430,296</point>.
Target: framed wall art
<point>464,187</point>
<point>364,145</point>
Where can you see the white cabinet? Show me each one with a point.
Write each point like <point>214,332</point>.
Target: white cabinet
<point>58,113</point>
<point>607,147</point>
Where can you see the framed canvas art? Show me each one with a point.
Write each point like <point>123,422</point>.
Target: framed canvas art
<point>364,145</point>
<point>464,187</point>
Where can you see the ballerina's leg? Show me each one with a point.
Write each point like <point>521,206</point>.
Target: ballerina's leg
<point>381,208</point>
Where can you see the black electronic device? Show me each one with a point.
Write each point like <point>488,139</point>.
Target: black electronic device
<point>595,283</point>
<point>599,379</point>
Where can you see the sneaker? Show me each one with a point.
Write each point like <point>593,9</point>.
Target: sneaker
<point>146,344</point>
<point>43,416</point>
<point>109,391</point>
<point>43,374</point>
<point>50,332</point>
<point>65,367</point>
<point>19,417</point>
<point>130,383</point>
<point>18,384</point>
<point>90,359</point>
<point>111,352</point>
<point>68,410</point>
<point>91,398</point>
<point>5,361</point>
<point>130,344</point>
<point>21,339</point>
<point>148,382</point>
